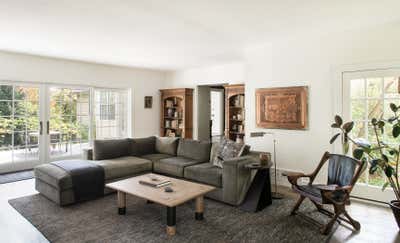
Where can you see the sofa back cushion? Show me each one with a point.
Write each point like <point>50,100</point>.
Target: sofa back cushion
<point>166,145</point>
<point>142,146</point>
<point>111,148</point>
<point>197,150</point>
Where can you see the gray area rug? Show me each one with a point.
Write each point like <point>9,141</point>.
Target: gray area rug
<point>98,221</point>
<point>17,176</point>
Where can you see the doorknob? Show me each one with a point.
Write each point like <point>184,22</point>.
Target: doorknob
<point>48,127</point>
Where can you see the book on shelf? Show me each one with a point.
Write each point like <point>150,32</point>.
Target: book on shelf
<point>154,181</point>
<point>169,103</point>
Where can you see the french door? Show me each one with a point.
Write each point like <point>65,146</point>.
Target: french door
<point>42,123</point>
<point>367,94</point>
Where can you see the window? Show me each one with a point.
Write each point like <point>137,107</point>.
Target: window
<point>110,108</point>
<point>370,97</point>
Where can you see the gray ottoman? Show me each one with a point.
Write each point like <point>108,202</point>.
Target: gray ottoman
<point>56,184</point>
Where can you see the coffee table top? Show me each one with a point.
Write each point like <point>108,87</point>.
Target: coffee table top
<point>183,190</point>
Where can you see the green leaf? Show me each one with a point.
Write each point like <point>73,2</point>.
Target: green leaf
<point>338,120</point>
<point>334,138</point>
<point>334,125</point>
<point>389,171</point>
<point>348,126</point>
<point>381,124</point>
<point>358,153</point>
<point>392,119</point>
<point>373,169</point>
<point>396,131</point>
<point>385,185</point>
<point>393,107</point>
<point>385,158</point>
<point>374,121</point>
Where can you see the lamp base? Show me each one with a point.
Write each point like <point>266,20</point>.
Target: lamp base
<point>277,195</point>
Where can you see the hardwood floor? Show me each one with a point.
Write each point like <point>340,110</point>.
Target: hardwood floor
<point>377,222</point>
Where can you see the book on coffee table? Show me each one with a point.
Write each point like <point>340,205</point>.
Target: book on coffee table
<point>154,181</point>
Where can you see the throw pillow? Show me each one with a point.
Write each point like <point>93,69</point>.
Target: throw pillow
<point>228,150</point>
<point>166,145</point>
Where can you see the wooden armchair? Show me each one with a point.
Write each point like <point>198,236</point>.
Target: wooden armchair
<point>343,173</point>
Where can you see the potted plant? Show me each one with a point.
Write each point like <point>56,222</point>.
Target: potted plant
<point>382,157</point>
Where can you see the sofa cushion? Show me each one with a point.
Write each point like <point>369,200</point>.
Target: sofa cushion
<point>173,166</point>
<point>166,145</point>
<point>228,150</point>
<point>156,157</point>
<point>142,146</point>
<point>205,173</point>
<point>112,148</point>
<point>197,150</point>
<point>124,166</point>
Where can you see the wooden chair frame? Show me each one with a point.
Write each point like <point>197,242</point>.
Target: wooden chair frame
<point>327,193</point>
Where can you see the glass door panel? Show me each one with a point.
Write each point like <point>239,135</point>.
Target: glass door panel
<point>19,126</point>
<point>69,114</point>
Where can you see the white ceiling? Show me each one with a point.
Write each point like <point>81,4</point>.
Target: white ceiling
<point>173,34</point>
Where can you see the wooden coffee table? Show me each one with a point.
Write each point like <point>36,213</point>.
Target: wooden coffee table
<point>183,192</point>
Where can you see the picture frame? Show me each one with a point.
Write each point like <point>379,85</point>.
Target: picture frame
<point>148,102</point>
<point>282,108</point>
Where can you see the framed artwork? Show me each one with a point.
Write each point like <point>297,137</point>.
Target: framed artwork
<point>148,102</point>
<point>282,108</point>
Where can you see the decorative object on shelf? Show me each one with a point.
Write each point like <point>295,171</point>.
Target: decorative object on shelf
<point>148,102</point>
<point>176,112</point>
<point>234,112</point>
<point>284,108</point>
<point>275,194</point>
<point>264,158</point>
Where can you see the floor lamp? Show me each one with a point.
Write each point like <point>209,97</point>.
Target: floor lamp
<point>275,193</point>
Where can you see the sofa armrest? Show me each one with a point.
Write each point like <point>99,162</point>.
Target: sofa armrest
<point>236,179</point>
<point>87,154</point>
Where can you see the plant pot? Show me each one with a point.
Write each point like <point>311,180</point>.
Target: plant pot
<point>395,205</point>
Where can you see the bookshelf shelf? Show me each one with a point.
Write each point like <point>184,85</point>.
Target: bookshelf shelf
<point>234,112</point>
<point>176,113</point>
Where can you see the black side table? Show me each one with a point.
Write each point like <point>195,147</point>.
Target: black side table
<point>259,194</point>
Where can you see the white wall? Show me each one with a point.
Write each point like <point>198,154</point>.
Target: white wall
<point>143,82</point>
<point>302,61</point>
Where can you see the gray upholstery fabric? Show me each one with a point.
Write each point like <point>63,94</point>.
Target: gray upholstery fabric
<point>173,166</point>
<point>341,170</point>
<point>227,150</point>
<point>156,157</point>
<point>142,146</point>
<point>54,176</point>
<point>236,179</point>
<point>87,154</point>
<point>124,166</point>
<point>61,197</point>
<point>205,173</point>
<point>197,150</point>
<point>214,151</point>
<point>166,145</point>
<point>110,149</point>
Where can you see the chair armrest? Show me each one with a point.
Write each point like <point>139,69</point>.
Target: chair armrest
<point>87,154</point>
<point>294,176</point>
<point>236,179</point>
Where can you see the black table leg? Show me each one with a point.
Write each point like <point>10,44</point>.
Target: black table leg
<point>171,221</point>
<point>259,194</point>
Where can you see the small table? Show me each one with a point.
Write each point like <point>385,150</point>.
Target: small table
<point>259,194</point>
<point>183,192</point>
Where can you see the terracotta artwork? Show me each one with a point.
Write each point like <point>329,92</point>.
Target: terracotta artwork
<point>284,108</point>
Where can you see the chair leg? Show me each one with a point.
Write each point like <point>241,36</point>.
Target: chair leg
<point>353,222</point>
<point>301,199</point>
<point>328,227</point>
<point>318,206</point>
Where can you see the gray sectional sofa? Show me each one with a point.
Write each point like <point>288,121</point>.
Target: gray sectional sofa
<point>180,158</point>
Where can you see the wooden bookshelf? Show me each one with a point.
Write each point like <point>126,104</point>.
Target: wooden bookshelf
<point>234,112</point>
<point>176,113</point>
